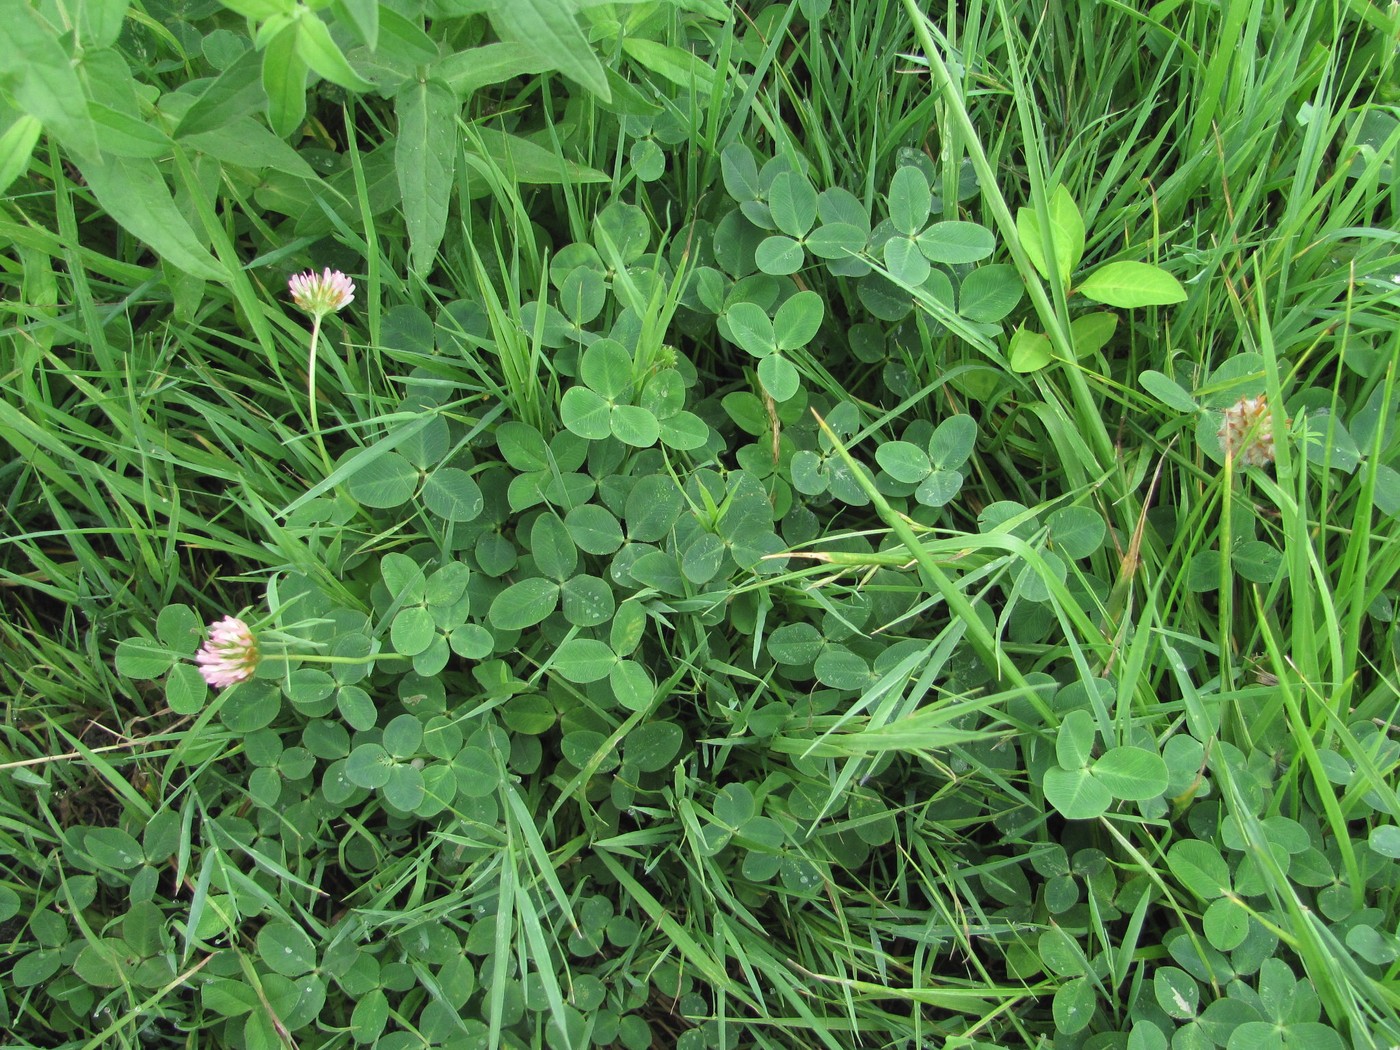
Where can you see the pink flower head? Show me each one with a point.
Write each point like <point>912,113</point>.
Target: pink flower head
<point>230,655</point>
<point>1247,432</point>
<point>321,294</point>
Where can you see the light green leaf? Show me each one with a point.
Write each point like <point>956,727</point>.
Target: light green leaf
<point>17,148</point>
<point>1066,236</point>
<point>1090,333</point>
<point>425,157</point>
<point>1029,351</point>
<point>1132,284</point>
<point>316,48</point>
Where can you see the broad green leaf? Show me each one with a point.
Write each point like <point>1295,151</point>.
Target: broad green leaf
<point>452,494</point>
<point>126,136</point>
<point>739,171</point>
<point>425,155</point>
<point>39,76</point>
<point>522,446</point>
<point>990,292</point>
<point>286,949</point>
<point>403,736</point>
<point>1177,992</point>
<point>100,22</point>
<point>1133,774</point>
<point>236,92</point>
<point>1074,742</point>
<point>585,413</point>
<point>906,263</point>
<point>138,658</point>
<point>1132,284</point>
<point>260,9</point>
<point>553,548</point>
<point>632,685</point>
<point>551,28</point>
<point>836,240</point>
<point>653,746</point>
<point>956,242</point>
<point>780,377</point>
<point>910,200</point>
<point>412,630</point>
<point>793,203</point>
<point>135,194</point>
<point>903,461</point>
<point>1167,391</point>
<point>952,442</point>
<point>584,660</point>
<point>587,601</point>
<point>244,142</point>
<point>185,690</point>
<point>751,328</point>
<point>1199,867</point>
<point>471,69</point>
<point>1076,531</point>
<point>634,426</point>
<point>1076,794</point>
<point>798,320</point>
<point>779,255</point>
<point>702,558</point>
<point>1074,1005</point>
<point>595,529</point>
<point>939,488</point>
<point>1225,924</point>
<point>385,481</point>
<point>284,81</point>
<point>684,432</point>
<point>606,369</point>
<point>524,604</point>
<point>361,16</point>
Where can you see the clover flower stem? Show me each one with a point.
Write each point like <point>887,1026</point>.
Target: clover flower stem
<point>311,392</point>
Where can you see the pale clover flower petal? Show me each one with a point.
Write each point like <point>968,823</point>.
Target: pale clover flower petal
<point>323,293</point>
<point>1247,432</point>
<point>230,655</point>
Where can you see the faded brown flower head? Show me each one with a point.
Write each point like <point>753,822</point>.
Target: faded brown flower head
<point>1247,432</point>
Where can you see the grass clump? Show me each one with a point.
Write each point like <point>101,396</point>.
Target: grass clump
<point>820,526</point>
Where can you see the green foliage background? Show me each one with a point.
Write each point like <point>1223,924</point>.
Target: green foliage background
<point>773,578</point>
